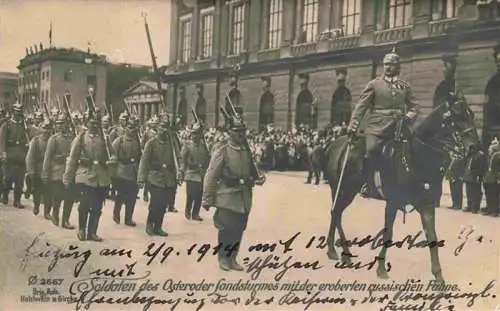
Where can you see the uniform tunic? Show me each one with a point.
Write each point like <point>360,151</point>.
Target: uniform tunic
<point>157,165</point>
<point>54,163</point>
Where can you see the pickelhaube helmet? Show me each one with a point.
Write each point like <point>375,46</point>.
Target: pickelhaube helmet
<point>132,123</point>
<point>196,128</point>
<point>94,117</point>
<point>61,119</point>
<point>392,57</point>
<point>46,125</point>
<point>106,118</point>
<point>154,120</point>
<point>123,116</point>
<point>38,114</point>
<point>237,125</point>
<point>54,111</point>
<point>164,122</point>
<point>17,107</point>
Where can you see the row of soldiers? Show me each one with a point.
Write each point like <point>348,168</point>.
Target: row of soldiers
<point>478,171</point>
<point>64,163</point>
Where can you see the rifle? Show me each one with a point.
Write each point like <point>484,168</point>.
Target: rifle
<point>66,107</point>
<point>255,168</point>
<point>43,106</point>
<point>93,109</point>
<point>197,120</point>
<point>174,139</point>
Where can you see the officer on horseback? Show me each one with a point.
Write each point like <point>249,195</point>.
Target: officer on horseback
<point>392,107</point>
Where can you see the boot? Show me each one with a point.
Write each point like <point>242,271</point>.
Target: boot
<point>65,217</point>
<point>129,211</point>
<point>172,209</point>
<point>234,264</point>
<point>36,209</point>
<point>189,204</point>
<point>368,168</point>
<point>224,263</point>
<point>46,212</point>
<point>5,198</point>
<point>149,229</point>
<point>55,215</point>
<point>158,225</point>
<point>93,224</point>
<point>82,224</point>
<point>18,204</point>
<point>116,212</point>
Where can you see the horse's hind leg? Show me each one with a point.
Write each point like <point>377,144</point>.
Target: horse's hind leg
<point>427,215</point>
<point>343,201</point>
<point>391,209</point>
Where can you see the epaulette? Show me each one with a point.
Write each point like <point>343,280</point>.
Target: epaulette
<point>403,84</point>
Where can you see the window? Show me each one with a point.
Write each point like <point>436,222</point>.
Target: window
<point>43,75</point>
<point>441,9</point>
<point>207,30</point>
<point>351,11</point>
<point>47,74</point>
<point>399,13</point>
<point>185,39</point>
<point>238,29</point>
<point>274,24</point>
<point>309,21</point>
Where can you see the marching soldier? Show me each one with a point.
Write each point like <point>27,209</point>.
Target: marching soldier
<point>491,179</point>
<point>34,165</point>
<point>14,141</point>
<point>455,174</point>
<point>127,154</point>
<point>390,101</point>
<point>228,187</point>
<point>194,163</point>
<point>120,129</point>
<point>54,162</point>
<point>157,169</point>
<point>87,165</point>
<point>473,176</point>
<point>150,133</point>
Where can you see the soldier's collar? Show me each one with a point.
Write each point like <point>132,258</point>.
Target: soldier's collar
<point>391,79</point>
<point>233,146</point>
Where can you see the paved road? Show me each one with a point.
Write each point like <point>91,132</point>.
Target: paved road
<point>283,207</point>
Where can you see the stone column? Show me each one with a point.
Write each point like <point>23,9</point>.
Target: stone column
<point>217,35</point>
<point>257,18</point>
<point>324,14</point>
<point>174,30</point>
<point>195,32</point>
<point>289,25</point>
<point>421,18</point>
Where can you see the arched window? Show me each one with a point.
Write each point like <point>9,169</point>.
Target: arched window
<point>266,109</point>
<point>341,106</point>
<point>303,113</point>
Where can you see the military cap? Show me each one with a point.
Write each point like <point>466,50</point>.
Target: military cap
<point>154,120</point>
<point>132,123</point>
<point>54,111</point>
<point>237,125</point>
<point>123,116</point>
<point>46,125</point>
<point>196,128</point>
<point>164,122</point>
<point>392,57</point>
<point>17,107</point>
<point>38,114</point>
<point>61,119</point>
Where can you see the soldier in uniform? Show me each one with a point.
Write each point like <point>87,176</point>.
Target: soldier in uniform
<point>491,179</point>
<point>157,169</point>
<point>454,174</point>
<point>14,141</point>
<point>34,165</point>
<point>54,162</point>
<point>315,158</point>
<point>228,187</point>
<point>473,177</point>
<point>121,128</point>
<point>390,101</point>
<point>194,163</point>
<point>150,133</point>
<point>127,153</point>
<point>87,166</point>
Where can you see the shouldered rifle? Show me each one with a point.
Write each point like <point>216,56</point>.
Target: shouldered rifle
<point>68,112</point>
<point>43,107</point>
<point>197,120</point>
<point>93,109</point>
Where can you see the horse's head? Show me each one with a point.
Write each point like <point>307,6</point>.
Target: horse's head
<point>450,127</point>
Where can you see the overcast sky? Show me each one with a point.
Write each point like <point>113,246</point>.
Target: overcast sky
<point>114,28</point>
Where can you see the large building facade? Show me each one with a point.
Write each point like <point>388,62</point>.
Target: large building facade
<point>45,75</point>
<point>307,61</point>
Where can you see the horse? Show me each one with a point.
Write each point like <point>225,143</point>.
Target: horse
<point>448,129</point>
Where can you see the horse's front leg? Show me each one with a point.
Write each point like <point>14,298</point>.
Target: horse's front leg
<point>428,217</point>
<point>391,209</point>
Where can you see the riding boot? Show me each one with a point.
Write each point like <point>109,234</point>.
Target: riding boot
<point>83,216</point>
<point>93,224</point>
<point>129,211</point>
<point>189,207</point>
<point>158,224</point>
<point>65,216</point>
<point>224,260</point>
<point>368,175</point>
<point>46,211</point>
<point>116,210</point>
<point>234,263</point>
<point>55,215</point>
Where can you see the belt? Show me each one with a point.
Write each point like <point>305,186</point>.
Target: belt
<point>160,166</point>
<point>233,182</point>
<point>86,162</point>
<point>127,161</point>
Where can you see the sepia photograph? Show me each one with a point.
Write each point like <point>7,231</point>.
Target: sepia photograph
<point>249,155</point>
